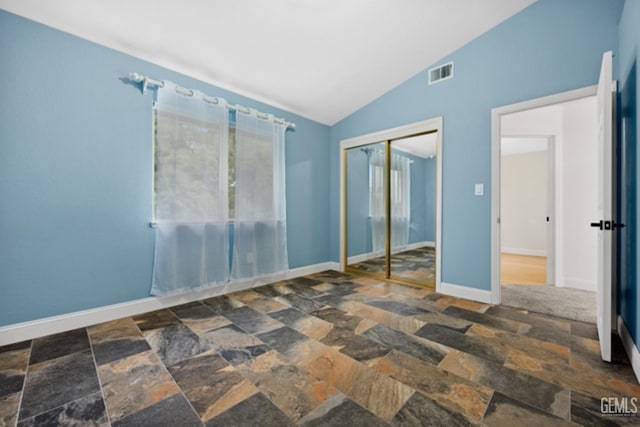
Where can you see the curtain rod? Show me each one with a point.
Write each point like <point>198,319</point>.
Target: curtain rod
<point>146,81</point>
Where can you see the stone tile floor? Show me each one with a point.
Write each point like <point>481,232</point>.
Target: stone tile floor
<point>324,350</point>
<point>415,264</point>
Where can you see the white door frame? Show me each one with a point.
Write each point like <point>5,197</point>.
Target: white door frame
<point>496,115</point>
<point>434,124</point>
<point>552,222</point>
<point>552,213</point>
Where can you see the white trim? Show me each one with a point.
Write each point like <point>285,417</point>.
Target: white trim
<point>458,291</point>
<point>436,124</point>
<point>343,207</point>
<point>523,251</point>
<point>576,283</point>
<point>630,347</point>
<point>529,135</point>
<point>418,245</point>
<point>393,133</point>
<point>438,246</point>
<point>553,178</point>
<point>364,257</point>
<point>371,255</point>
<point>79,319</point>
<point>496,115</point>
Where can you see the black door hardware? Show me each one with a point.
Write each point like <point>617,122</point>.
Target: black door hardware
<point>606,225</point>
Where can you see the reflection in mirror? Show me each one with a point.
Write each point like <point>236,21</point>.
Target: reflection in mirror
<point>411,171</point>
<point>413,208</point>
<point>366,220</point>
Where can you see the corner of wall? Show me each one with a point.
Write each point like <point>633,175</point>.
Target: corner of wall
<point>630,347</point>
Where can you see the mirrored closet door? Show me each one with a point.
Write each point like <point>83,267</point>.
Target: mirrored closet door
<point>366,210</point>
<point>413,207</point>
<point>390,208</point>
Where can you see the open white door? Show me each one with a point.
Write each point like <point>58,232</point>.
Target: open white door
<point>605,221</point>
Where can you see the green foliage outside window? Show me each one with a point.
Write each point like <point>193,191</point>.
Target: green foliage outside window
<point>186,167</point>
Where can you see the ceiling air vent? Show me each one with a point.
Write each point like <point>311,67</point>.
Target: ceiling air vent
<point>440,73</point>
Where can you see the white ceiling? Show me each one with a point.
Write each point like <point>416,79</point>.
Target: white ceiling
<point>524,131</point>
<point>421,146</point>
<point>521,145</point>
<point>321,59</point>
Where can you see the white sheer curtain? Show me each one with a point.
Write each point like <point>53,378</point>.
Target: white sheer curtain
<point>377,199</point>
<point>259,231</point>
<point>191,192</point>
<point>400,200</point>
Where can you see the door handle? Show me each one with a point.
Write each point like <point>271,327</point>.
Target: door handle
<point>597,224</point>
<point>616,225</point>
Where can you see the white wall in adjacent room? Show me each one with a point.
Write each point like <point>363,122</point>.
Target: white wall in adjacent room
<point>574,126</point>
<point>524,203</point>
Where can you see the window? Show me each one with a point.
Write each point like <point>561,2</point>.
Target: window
<point>190,192</point>
<point>259,236</point>
<point>174,161</point>
<point>399,199</point>
<point>215,188</point>
<point>251,178</point>
<point>187,182</point>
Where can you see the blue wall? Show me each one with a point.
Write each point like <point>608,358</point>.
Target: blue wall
<point>76,168</point>
<point>550,47</point>
<point>629,42</point>
<point>423,200</point>
<point>358,227</point>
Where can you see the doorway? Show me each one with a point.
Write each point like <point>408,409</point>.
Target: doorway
<point>553,216</point>
<point>391,203</point>
<point>527,208</point>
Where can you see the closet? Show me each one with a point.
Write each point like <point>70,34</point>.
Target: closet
<point>390,222</point>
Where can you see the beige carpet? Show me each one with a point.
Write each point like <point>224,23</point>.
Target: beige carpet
<point>568,303</point>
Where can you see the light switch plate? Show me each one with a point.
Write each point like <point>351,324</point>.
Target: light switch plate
<point>479,190</point>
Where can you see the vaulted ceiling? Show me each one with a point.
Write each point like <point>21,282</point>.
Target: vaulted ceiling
<point>321,59</point>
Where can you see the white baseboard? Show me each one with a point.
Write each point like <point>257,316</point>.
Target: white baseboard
<point>630,347</point>
<point>480,295</point>
<point>576,283</point>
<point>51,325</point>
<point>425,243</point>
<point>366,257</point>
<point>520,251</point>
